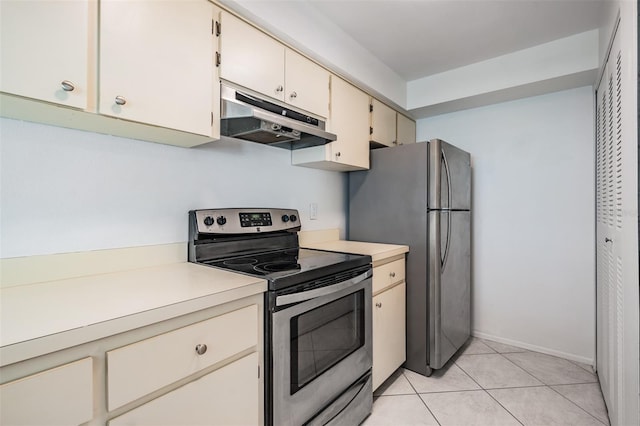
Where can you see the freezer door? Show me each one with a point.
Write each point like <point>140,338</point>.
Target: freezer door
<point>449,284</point>
<point>449,177</point>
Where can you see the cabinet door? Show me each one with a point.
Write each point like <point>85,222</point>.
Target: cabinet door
<point>388,333</point>
<point>406,130</point>
<point>228,396</point>
<point>157,63</point>
<point>306,84</point>
<point>45,50</point>
<point>250,58</point>
<point>349,119</point>
<point>383,124</point>
<point>60,396</point>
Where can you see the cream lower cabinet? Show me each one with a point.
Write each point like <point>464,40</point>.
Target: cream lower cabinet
<point>349,120</point>
<point>227,396</point>
<point>58,396</point>
<point>202,368</point>
<point>389,319</point>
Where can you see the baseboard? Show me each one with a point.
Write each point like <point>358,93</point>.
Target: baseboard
<point>535,348</point>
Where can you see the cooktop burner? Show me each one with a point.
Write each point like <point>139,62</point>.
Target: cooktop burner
<point>287,267</point>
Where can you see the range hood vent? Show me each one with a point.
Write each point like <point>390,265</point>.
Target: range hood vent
<point>245,116</point>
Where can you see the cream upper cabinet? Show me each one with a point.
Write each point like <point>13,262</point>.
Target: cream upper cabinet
<point>45,46</point>
<point>157,63</point>
<point>253,59</point>
<point>349,120</point>
<point>406,130</point>
<point>383,124</point>
<point>58,396</point>
<point>306,84</point>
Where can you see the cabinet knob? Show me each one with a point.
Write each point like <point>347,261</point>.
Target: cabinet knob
<point>338,154</point>
<point>67,86</point>
<point>120,100</point>
<point>293,95</point>
<point>279,88</point>
<point>201,349</point>
<point>608,240</point>
<point>392,274</point>
<point>379,305</point>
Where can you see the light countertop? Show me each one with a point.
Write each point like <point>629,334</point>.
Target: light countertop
<point>48,316</point>
<point>377,251</point>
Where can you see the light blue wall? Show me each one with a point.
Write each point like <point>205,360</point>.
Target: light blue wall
<point>533,236</point>
<point>65,190</point>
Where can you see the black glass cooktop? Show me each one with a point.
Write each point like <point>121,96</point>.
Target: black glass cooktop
<point>283,268</point>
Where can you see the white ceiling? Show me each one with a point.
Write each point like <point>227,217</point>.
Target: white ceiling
<point>417,38</point>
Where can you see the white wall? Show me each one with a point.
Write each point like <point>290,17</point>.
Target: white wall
<point>65,190</point>
<point>533,218</point>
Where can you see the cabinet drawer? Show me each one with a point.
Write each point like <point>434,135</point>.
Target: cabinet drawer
<point>227,396</point>
<point>60,396</point>
<point>143,367</point>
<point>388,274</point>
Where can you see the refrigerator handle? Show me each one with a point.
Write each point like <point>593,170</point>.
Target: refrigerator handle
<point>448,241</point>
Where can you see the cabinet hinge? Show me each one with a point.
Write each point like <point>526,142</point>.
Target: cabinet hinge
<point>218,28</point>
<point>212,118</point>
<point>370,130</point>
<point>258,372</point>
<point>370,107</point>
<point>218,59</point>
<point>213,26</point>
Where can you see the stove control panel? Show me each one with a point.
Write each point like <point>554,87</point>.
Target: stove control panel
<point>245,221</point>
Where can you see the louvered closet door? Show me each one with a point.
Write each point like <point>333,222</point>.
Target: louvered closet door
<point>616,251</point>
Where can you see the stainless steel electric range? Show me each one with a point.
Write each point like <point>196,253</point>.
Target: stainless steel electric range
<point>317,313</point>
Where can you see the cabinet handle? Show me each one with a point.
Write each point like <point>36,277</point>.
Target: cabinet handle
<point>279,88</point>
<point>201,349</point>
<point>392,274</point>
<point>67,86</point>
<point>120,100</point>
<point>379,305</point>
<point>293,95</point>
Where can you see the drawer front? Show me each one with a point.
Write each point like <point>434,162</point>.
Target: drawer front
<point>388,274</point>
<point>228,396</point>
<point>143,367</point>
<point>60,396</point>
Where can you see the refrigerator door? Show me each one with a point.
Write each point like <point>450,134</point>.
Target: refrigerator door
<point>449,177</point>
<point>387,204</point>
<point>450,284</point>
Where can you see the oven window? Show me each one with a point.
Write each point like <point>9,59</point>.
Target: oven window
<point>322,337</point>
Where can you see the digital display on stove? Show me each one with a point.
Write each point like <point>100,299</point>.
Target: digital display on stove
<point>255,219</point>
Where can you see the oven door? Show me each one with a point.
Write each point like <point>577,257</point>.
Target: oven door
<point>321,348</point>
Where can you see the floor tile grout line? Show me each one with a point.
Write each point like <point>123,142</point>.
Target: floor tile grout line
<point>578,405</point>
<point>422,400</point>
<point>525,370</point>
<point>491,396</point>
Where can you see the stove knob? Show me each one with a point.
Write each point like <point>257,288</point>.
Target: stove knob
<point>285,218</point>
<point>221,220</point>
<point>208,221</point>
<point>293,218</point>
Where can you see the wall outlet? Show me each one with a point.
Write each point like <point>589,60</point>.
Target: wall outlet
<point>313,211</point>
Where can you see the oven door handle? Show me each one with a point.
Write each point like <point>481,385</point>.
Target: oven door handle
<point>287,299</point>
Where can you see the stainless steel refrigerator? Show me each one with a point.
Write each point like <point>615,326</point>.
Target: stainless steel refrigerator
<point>420,195</point>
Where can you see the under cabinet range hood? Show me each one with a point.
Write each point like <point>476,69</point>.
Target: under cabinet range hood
<point>246,116</point>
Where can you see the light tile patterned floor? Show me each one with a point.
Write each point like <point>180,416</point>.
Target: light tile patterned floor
<point>490,383</point>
